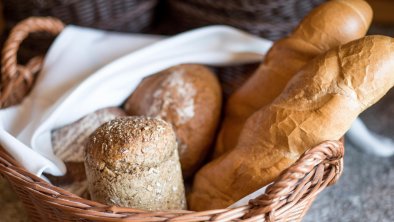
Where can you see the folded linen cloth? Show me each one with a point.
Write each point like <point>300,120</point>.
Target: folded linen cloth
<point>75,81</point>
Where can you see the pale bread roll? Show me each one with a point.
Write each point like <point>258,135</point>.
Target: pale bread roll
<point>319,103</point>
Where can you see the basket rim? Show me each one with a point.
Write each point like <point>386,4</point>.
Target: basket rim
<point>298,185</point>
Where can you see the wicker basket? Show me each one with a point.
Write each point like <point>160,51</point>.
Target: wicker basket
<point>287,199</point>
<point>116,15</point>
<point>269,19</point>
<point>266,18</point>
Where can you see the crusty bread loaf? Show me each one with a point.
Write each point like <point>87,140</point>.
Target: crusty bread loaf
<point>329,25</point>
<point>319,103</point>
<point>68,144</point>
<point>188,97</point>
<point>133,162</point>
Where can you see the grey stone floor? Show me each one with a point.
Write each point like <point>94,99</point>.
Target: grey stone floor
<point>365,192</point>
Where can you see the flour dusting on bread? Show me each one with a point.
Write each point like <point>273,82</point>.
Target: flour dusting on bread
<point>180,101</point>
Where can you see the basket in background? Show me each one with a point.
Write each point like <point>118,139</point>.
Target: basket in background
<point>114,15</point>
<point>266,18</point>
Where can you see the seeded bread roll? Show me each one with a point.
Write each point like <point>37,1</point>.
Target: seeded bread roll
<point>68,144</point>
<point>133,162</point>
<point>188,97</point>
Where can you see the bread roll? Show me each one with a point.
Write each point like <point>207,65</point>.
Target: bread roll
<point>133,162</point>
<point>319,103</point>
<point>329,25</point>
<point>68,143</point>
<point>188,97</point>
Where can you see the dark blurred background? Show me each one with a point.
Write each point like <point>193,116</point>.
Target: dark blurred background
<point>365,191</point>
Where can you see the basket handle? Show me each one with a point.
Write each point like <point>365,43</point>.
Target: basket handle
<point>14,76</point>
<point>316,168</point>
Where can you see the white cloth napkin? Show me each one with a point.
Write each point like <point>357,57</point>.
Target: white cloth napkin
<point>75,80</point>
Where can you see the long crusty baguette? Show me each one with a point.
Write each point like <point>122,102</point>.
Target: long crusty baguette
<point>319,103</point>
<point>329,25</point>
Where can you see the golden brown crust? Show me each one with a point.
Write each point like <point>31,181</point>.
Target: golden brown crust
<point>329,25</point>
<point>188,97</point>
<point>319,103</point>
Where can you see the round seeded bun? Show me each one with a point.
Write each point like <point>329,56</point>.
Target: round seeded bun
<point>133,162</point>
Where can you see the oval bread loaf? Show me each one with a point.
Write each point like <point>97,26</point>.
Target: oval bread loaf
<point>188,97</point>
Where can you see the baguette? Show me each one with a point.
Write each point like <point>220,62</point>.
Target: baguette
<point>318,104</point>
<point>329,25</point>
